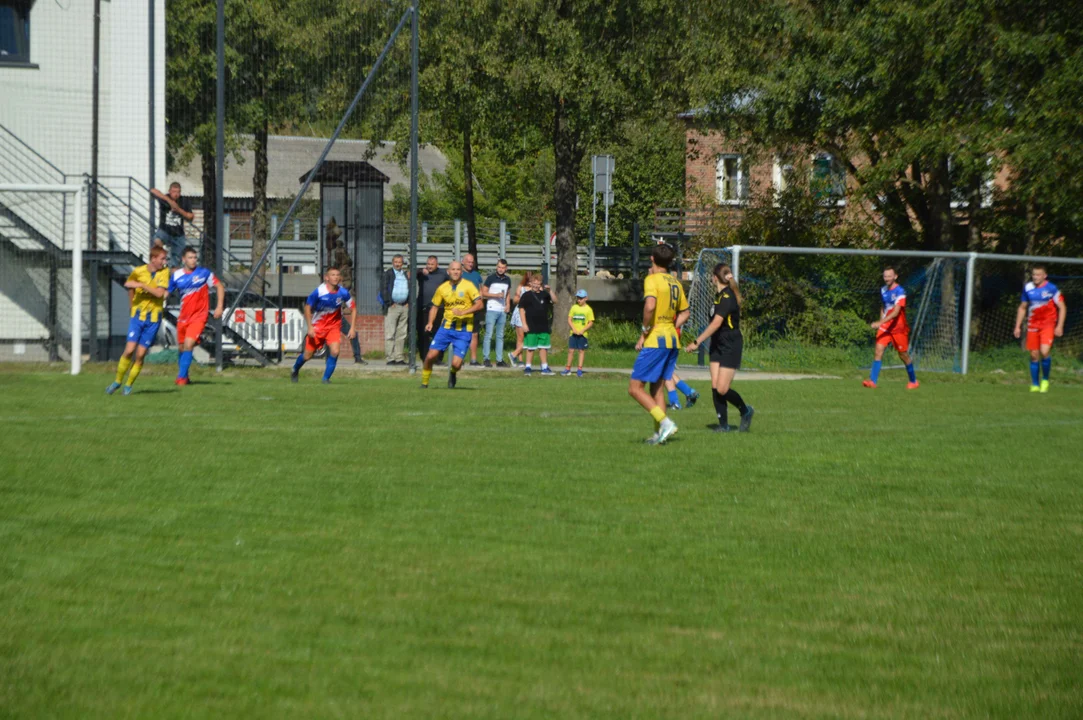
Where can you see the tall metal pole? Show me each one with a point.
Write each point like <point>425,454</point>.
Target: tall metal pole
<point>414,37</point>
<point>150,115</point>
<point>220,167</point>
<point>968,303</point>
<point>77,289</point>
<point>93,205</point>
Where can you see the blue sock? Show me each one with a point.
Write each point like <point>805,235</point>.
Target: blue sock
<point>330,366</point>
<point>910,373</point>
<point>1034,366</point>
<point>685,388</point>
<point>1046,364</point>
<point>875,374</point>
<point>184,363</point>
<point>672,394</point>
<point>300,361</point>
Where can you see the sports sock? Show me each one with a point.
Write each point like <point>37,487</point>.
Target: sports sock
<point>875,374</point>
<point>545,366</point>
<point>299,362</point>
<point>122,368</point>
<point>134,373</point>
<point>720,407</point>
<point>672,395</point>
<point>658,414</point>
<point>1047,363</point>
<point>184,364</point>
<point>329,368</point>
<point>734,399</point>
<point>1035,366</point>
<point>685,388</point>
<point>425,375</point>
<point>910,373</point>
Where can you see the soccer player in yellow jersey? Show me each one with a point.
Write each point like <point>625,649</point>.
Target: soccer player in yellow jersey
<point>460,299</point>
<point>665,309</point>
<point>147,287</point>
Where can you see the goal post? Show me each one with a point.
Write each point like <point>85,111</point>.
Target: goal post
<point>76,249</point>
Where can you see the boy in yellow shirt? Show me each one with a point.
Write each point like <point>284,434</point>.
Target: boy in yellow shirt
<point>580,321</point>
<point>148,286</point>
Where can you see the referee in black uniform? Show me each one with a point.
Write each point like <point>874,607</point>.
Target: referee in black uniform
<point>724,330</point>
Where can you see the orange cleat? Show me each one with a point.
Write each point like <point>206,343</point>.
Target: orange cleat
<point>180,381</point>
<point>913,385</point>
<point>869,384</point>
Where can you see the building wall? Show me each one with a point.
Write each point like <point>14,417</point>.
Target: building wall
<point>50,107</point>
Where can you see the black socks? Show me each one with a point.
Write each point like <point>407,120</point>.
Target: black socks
<point>735,400</point>
<point>720,407</point>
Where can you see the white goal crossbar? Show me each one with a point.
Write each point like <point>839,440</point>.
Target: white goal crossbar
<point>76,263</point>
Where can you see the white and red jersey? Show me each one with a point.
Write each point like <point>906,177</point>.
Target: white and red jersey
<point>327,304</point>
<point>1041,305</point>
<point>193,286</point>
<point>893,297</point>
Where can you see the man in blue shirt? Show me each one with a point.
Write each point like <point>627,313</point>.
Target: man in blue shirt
<point>395,291</point>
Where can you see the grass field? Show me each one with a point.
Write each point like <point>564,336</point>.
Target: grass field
<point>248,547</point>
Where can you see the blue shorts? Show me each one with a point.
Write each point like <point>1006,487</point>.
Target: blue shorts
<point>459,339</point>
<point>143,331</point>
<point>655,364</point>
<point>577,342</point>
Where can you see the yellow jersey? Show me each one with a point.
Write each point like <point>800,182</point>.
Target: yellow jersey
<point>669,302</point>
<point>460,296</point>
<point>144,305</point>
<point>581,316</point>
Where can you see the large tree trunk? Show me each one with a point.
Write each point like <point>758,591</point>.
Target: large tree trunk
<point>468,189</point>
<point>210,229</point>
<point>569,156</point>
<point>259,200</point>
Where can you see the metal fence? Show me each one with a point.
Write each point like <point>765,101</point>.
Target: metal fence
<point>811,308</point>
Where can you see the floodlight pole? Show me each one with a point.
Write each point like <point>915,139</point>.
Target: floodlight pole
<point>412,330</point>
<point>220,169</point>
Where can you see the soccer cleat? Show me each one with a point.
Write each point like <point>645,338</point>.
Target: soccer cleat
<point>1035,388</point>
<point>652,440</point>
<point>723,429</point>
<point>579,373</point>
<point>113,387</point>
<point>913,385</point>
<point>526,371</point>
<point>691,399</point>
<point>547,371</point>
<point>424,386</point>
<point>1044,387</point>
<point>293,376</point>
<point>487,363</point>
<point>673,406</point>
<point>566,372</point>
<point>869,384</point>
<point>326,381</point>
<point>667,430</point>
<point>746,419</point>
<point>180,381</point>
<point>452,378</point>
<point>127,390</point>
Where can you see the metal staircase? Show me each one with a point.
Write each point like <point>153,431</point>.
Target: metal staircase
<point>38,228</point>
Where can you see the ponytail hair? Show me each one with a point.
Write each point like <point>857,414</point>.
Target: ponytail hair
<point>725,276</point>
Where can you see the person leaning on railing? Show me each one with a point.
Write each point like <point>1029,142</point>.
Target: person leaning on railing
<point>173,211</point>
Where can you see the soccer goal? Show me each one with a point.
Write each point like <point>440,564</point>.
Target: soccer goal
<point>810,309</point>
<point>41,272</point>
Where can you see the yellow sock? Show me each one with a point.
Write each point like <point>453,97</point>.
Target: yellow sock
<point>425,375</point>
<point>658,414</point>
<point>136,367</point>
<point>122,368</point>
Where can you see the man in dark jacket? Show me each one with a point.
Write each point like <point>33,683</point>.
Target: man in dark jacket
<point>395,292</point>
<point>429,278</point>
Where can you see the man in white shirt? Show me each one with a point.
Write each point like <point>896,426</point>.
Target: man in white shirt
<point>496,291</point>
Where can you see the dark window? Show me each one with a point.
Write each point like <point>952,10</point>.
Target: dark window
<point>15,31</point>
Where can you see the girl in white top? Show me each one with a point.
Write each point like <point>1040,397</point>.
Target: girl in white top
<point>516,321</point>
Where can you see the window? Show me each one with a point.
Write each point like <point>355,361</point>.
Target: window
<point>828,179</point>
<point>731,184</point>
<point>782,174</point>
<point>15,31</point>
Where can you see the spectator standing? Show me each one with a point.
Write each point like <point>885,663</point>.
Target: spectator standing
<point>517,320</point>
<point>471,273</point>
<point>395,291</point>
<point>496,291</point>
<point>535,306</point>
<point>429,278</point>
<point>172,212</point>
<point>580,321</point>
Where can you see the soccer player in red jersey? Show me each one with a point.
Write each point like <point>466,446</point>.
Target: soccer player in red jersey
<point>323,315</point>
<point>892,329</point>
<point>1044,308</point>
<point>193,283</point>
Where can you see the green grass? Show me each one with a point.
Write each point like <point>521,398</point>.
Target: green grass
<point>248,547</point>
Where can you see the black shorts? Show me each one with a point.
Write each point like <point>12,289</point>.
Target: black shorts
<point>726,350</point>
